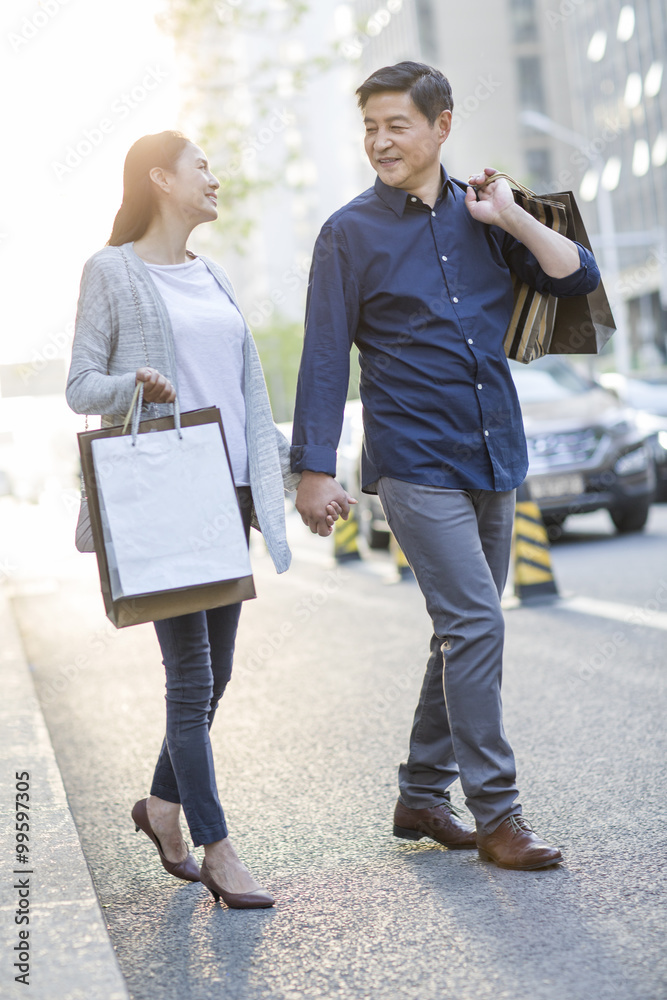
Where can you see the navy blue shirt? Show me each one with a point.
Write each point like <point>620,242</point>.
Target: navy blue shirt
<point>426,295</point>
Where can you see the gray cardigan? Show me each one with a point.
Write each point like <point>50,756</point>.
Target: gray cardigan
<point>108,349</point>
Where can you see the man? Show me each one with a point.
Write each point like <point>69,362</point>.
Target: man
<point>416,272</point>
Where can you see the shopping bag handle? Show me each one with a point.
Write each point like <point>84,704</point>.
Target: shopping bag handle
<point>545,199</point>
<point>502,176</point>
<point>134,413</point>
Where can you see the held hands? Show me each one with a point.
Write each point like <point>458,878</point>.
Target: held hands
<point>321,500</point>
<point>157,388</point>
<point>495,199</point>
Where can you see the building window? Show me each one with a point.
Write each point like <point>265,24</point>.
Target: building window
<point>524,20</point>
<point>597,46</point>
<point>653,80</point>
<point>531,90</point>
<point>626,23</point>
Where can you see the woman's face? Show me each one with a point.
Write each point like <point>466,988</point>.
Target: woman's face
<point>191,187</point>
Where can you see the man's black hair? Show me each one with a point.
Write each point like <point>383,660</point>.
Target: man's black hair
<point>428,88</point>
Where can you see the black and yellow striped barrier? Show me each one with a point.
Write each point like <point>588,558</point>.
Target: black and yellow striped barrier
<point>403,567</point>
<point>533,575</point>
<point>346,535</point>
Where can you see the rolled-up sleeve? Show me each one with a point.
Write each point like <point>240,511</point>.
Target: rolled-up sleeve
<point>525,265</point>
<point>332,315</point>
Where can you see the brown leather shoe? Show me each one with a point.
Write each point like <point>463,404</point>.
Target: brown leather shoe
<point>441,823</point>
<point>514,845</point>
<point>188,869</point>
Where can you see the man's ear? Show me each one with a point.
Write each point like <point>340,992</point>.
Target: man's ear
<point>159,177</point>
<point>444,125</point>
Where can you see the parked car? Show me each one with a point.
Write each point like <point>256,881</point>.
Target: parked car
<point>587,451</point>
<point>647,395</point>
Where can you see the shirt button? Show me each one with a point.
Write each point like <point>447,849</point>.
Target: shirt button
<point>456,300</point>
<point>432,213</point>
<point>443,257</point>
<point>470,341</point>
<point>479,385</point>
<point>413,199</point>
<point>486,434</point>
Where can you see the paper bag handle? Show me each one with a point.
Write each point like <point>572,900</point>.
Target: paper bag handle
<point>498,176</point>
<point>134,413</point>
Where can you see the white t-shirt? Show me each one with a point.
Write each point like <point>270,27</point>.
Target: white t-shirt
<point>208,338</point>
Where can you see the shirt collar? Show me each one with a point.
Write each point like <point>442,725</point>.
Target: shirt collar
<point>396,198</point>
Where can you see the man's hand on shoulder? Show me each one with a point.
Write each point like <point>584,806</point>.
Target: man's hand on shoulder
<point>495,199</point>
<point>556,254</point>
<point>321,501</point>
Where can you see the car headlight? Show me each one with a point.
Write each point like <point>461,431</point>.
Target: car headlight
<point>662,439</point>
<point>632,461</point>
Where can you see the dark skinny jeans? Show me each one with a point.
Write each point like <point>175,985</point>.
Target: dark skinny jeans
<point>197,652</point>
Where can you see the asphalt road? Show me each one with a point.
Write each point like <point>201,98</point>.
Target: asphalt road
<point>306,745</point>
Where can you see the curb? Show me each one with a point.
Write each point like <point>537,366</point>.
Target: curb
<point>70,955</point>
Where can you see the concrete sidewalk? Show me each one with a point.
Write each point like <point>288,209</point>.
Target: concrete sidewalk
<point>70,954</point>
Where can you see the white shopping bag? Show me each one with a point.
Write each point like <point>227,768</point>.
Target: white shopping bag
<point>169,512</point>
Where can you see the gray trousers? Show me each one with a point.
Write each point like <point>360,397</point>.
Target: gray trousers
<point>458,545</point>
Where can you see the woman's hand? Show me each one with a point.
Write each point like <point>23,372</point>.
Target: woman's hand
<point>157,388</point>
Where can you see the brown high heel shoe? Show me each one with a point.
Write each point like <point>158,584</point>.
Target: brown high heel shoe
<point>255,900</point>
<point>187,869</point>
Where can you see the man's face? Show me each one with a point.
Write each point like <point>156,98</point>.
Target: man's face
<point>400,143</point>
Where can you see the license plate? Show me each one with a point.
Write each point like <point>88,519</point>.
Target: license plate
<point>551,487</point>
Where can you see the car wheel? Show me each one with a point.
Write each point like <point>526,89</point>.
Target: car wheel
<point>554,525</point>
<point>633,518</point>
<point>378,539</point>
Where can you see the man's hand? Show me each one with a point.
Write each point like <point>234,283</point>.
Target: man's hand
<point>556,254</point>
<point>495,198</point>
<point>157,388</point>
<point>321,501</point>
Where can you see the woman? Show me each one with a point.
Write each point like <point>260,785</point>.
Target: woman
<point>150,310</point>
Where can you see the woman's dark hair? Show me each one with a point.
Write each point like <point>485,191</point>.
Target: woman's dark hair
<point>428,88</point>
<point>139,202</point>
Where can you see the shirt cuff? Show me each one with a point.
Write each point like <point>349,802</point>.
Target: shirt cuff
<point>581,281</point>
<point>313,458</point>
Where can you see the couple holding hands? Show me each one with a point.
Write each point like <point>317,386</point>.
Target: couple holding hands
<point>417,272</point>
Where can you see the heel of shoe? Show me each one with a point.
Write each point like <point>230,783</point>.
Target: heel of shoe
<point>483,855</point>
<point>136,828</point>
<point>216,895</point>
<point>401,831</point>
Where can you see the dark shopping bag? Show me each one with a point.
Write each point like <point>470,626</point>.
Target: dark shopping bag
<point>165,517</point>
<point>543,324</point>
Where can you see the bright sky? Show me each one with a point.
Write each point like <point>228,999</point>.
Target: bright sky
<point>85,62</point>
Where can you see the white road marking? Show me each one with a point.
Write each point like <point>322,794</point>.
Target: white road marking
<point>627,613</point>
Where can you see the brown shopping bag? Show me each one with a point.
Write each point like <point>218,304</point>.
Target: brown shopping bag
<point>543,324</point>
<point>165,518</point>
